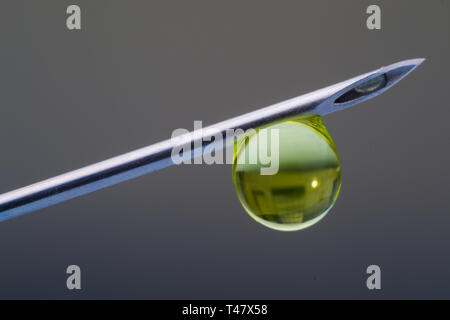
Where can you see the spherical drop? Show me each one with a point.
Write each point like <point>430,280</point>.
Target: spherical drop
<point>306,184</point>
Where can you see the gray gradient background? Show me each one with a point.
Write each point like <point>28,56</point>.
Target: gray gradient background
<point>138,70</point>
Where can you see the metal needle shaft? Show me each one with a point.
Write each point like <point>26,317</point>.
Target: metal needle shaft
<point>157,156</point>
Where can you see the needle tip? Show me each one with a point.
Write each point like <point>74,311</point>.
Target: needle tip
<point>409,64</point>
<point>367,86</point>
<point>397,71</point>
<point>415,62</point>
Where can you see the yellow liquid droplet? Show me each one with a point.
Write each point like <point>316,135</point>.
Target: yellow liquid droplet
<point>308,180</point>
